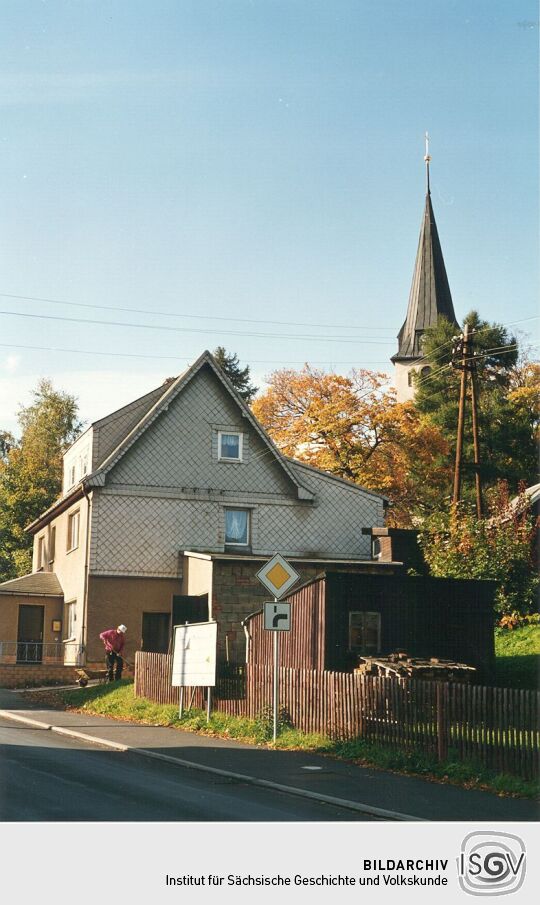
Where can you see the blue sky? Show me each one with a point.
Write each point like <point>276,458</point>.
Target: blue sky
<point>253,160</point>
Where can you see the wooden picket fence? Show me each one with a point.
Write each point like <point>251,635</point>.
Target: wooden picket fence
<point>494,727</point>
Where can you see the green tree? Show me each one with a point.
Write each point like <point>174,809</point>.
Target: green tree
<point>239,377</point>
<point>31,471</point>
<point>458,545</point>
<point>507,424</point>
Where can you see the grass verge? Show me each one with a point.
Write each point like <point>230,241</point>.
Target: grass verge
<point>517,652</point>
<point>118,702</point>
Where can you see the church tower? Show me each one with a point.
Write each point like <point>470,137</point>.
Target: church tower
<point>429,299</point>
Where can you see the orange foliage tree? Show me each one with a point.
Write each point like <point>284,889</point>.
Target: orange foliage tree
<point>352,426</point>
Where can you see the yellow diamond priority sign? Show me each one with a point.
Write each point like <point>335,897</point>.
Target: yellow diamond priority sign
<point>278,576</point>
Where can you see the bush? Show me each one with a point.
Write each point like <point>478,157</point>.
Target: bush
<point>264,722</point>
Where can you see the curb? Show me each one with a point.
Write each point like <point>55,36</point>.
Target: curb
<point>38,724</point>
<point>372,811</point>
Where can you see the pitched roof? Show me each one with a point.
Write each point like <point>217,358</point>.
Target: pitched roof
<point>41,584</point>
<point>98,477</point>
<point>430,296</point>
<point>109,431</point>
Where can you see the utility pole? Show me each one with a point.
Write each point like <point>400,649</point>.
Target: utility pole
<point>463,349</point>
<point>476,442</point>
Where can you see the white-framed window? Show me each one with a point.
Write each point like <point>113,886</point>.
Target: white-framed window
<point>73,530</point>
<point>237,527</point>
<point>52,544</point>
<point>230,446</point>
<point>365,633</point>
<point>41,553</point>
<point>71,475</point>
<point>83,465</point>
<point>70,620</point>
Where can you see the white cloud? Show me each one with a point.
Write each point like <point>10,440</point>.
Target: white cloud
<point>11,363</point>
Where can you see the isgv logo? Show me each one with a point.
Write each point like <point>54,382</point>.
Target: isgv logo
<point>491,864</point>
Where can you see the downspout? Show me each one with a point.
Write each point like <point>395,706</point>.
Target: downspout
<point>244,623</point>
<point>86,560</point>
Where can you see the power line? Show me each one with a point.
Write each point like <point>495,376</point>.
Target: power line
<point>219,331</point>
<point>168,357</point>
<point>213,317</point>
<point>482,330</point>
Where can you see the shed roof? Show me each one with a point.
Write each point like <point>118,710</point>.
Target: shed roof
<point>40,584</point>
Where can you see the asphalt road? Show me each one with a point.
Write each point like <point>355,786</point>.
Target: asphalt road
<point>46,777</point>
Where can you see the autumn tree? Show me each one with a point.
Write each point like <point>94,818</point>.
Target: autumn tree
<point>353,427</point>
<point>239,377</point>
<point>31,471</point>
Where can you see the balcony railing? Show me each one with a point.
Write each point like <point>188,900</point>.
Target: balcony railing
<point>32,652</point>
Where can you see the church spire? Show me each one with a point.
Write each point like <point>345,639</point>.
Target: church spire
<point>430,296</point>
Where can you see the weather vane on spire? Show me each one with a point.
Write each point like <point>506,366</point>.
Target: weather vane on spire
<point>427,158</point>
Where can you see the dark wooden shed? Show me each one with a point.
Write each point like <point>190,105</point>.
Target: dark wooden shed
<point>339,616</point>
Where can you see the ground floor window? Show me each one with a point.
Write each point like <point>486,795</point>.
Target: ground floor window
<point>70,620</point>
<point>365,633</point>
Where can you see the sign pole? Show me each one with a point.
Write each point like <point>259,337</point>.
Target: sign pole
<point>276,681</point>
<point>208,703</point>
<point>181,705</point>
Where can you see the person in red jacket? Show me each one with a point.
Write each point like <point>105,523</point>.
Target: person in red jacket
<point>113,639</point>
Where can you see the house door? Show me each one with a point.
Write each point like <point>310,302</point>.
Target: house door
<point>30,634</point>
<point>155,632</point>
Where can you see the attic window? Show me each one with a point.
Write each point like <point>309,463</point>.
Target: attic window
<point>230,446</point>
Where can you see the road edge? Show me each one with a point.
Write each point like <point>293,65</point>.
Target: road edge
<point>370,810</point>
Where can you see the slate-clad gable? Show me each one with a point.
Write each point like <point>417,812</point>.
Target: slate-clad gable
<point>110,431</point>
<point>180,450</point>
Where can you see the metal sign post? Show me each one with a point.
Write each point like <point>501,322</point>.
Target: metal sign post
<point>278,576</point>
<point>277,618</point>
<point>276,684</point>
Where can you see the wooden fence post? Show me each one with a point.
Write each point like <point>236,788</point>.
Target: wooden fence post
<point>442,736</point>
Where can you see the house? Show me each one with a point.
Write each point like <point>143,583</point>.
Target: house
<point>341,616</point>
<point>170,505</point>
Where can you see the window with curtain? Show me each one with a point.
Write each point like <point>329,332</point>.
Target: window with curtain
<point>236,526</point>
<point>230,446</point>
<point>70,620</point>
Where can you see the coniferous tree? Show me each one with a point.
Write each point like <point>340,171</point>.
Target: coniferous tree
<point>508,418</point>
<point>239,377</point>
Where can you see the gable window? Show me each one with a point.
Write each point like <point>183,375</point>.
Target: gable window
<point>230,446</point>
<point>73,531</point>
<point>71,476</point>
<point>52,544</point>
<point>237,527</point>
<point>365,633</point>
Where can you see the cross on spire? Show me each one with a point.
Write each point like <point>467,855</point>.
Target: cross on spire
<point>427,158</point>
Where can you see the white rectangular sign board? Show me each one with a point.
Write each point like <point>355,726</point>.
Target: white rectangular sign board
<point>277,616</point>
<point>194,654</point>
